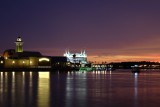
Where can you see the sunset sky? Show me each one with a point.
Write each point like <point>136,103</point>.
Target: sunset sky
<point>109,30</point>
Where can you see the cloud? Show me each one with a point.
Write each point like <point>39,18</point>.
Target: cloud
<point>119,58</point>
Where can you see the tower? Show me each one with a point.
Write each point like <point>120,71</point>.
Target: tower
<point>19,45</point>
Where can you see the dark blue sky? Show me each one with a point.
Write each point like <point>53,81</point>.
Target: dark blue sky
<point>106,29</point>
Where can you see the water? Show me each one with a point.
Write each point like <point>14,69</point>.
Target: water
<point>77,89</point>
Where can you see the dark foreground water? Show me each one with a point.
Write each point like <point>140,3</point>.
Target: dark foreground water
<point>77,89</point>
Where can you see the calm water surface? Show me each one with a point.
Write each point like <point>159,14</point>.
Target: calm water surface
<point>77,89</point>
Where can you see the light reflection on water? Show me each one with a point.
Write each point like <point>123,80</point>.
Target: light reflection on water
<point>43,89</point>
<point>135,89</point>
<point>79,89</point>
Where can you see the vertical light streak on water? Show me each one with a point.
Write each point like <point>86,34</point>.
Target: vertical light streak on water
<point>110,85</point>
<point>110,72</point>
<point>1,86</point>
<point>96,74</point>
<point>30,86</point>
<point>13,87</point>
<point>69,85</point>
<point>76,89</point>
<point>43,89</point>
<point>23,82</point>
<point>22,86</point>
<point>82,91</point>
<point>136,89</point>
<point>5,82</point>
<point>19,89</point>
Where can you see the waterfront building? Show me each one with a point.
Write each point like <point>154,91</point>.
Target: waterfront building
<point>76,57</point>
<point>76,60</point>
<point>18,58</point>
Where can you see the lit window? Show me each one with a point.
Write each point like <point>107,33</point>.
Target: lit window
<point>44,59</point>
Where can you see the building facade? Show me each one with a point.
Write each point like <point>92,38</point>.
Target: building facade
<point>76,58</point>
<point>18,58</point>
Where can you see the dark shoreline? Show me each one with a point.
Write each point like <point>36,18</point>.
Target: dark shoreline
<point>36,69</point>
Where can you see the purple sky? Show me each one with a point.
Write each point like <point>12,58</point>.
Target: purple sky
<point>111,30</point>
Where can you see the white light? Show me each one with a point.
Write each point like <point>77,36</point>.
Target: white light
<point>44,59</point>
<point>136,65</point>
<point>80,57</point>
<point>13,73</point>
<point>19,39</point>
<point>1,62</point>
<point>23,73</point>
<point>30,73</point>
<point>136,73</point>
<point>110,72</point>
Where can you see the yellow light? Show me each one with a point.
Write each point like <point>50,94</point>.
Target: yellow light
<point>31,62</point>
<point>23,62</point>
<point>13,74</point>
<point>43,74</point>
<point>44,59</point>
<point>30,73</point>
<point>1,62</point>
<point>13,62</point>
<point>23,73</point>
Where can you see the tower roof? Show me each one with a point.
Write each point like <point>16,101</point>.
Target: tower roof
<point>19,39</point>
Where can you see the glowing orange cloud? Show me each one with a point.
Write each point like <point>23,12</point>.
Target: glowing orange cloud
<point>120,58</point>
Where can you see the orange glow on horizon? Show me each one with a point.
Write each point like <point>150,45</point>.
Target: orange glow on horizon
<point>118,55</point>
<point>122,58</point>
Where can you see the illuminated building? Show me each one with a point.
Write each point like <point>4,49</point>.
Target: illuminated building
<point>17,58</point>
<point>76,57</point>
